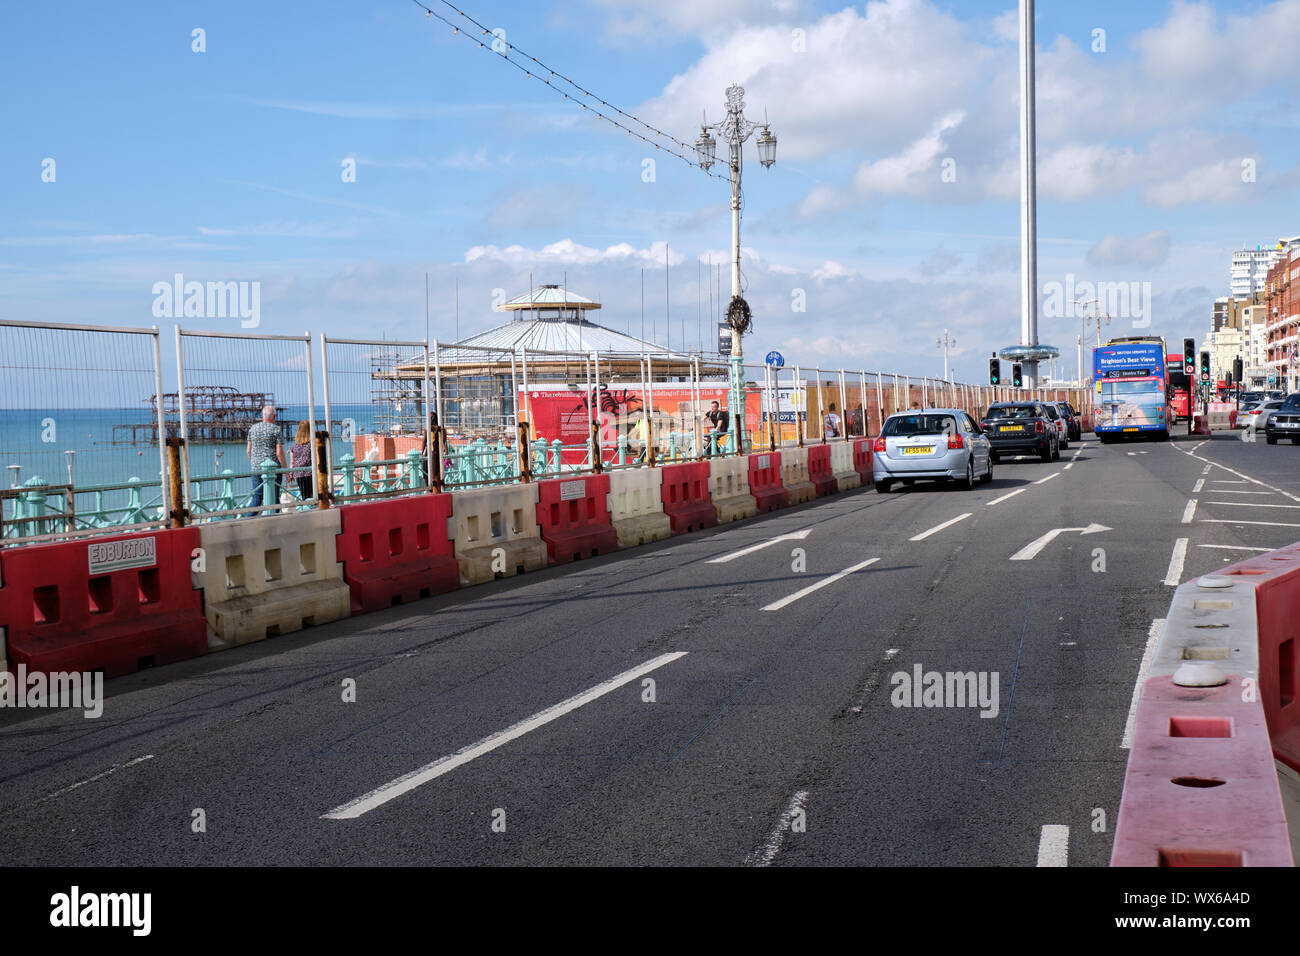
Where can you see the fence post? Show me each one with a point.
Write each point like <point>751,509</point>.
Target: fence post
<point>174,481</point>
<point>324,485</point>
<point>596,451</point>
<point>268,482</point>
<point>437,457</point>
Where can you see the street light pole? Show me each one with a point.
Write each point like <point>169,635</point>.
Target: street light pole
<point>945,342</point>
<point>733,130</point>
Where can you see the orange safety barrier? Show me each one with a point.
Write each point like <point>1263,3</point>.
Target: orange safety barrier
<point>114,604</point>
<point>686,498</point>
<point>862,459</point>
<point>765,481</point>
<point>573,517</point>
<point>819,470</point>
<point>396,551</point>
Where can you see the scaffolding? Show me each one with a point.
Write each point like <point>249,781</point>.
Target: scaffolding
<point>397,403</point>
<point>213,413</point>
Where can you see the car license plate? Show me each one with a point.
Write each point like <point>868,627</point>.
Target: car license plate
<point>1011,428</point>
<point>918,450</point>
<point>1130,429</point>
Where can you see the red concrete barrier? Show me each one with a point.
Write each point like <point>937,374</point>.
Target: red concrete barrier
<point>1276,577</point>
<point>765,481</point>
<point>862,459</point>
<point>819,470</point>
<point>1200,789</point>
<point>686,498</point>
<point>574,519</point>
<point>396,551</point>
<point>114,604</point>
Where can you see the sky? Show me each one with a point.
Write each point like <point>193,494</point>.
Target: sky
<point>1167,138</point>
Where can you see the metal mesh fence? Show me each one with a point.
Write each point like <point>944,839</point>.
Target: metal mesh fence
<point>78,431</point>
<point>244,406</point>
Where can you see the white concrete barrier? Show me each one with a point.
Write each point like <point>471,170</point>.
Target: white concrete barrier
<point>262,577</point>
<point>1220,415</point>
<point>794,475</point>
<point>729,488</point>
<point>842,467</point>
<point>495,532</point>
<point>636,506</point>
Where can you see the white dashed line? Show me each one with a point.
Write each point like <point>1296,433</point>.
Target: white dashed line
<point>1054,845</point>
<point>1196,488</point>
<point>99,776</point>
<point>939,527</point>
<point>1266,524</point>
<point>1189,511</point>
<point>777,605</point>
<point>1009,494</point>
<point>1175,573</point>
<point>1153,640</point>
<point>1233,547</point>
<point>1250,504</point>
<point>772,846</point>
<point>403,784</point>
<point>1048,478</point>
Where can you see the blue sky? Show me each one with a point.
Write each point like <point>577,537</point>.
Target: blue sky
<point>226,165</point>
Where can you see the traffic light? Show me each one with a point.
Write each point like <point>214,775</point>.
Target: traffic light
<point>1189,355</point>
<point>995,371</point>
<point>1236,370</point>
<point>1205,366</point>
<point>1016,380</point>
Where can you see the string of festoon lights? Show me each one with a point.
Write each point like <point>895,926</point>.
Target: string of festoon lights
<point>535,69</point>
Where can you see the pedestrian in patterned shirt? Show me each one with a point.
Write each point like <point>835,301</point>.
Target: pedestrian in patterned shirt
<point>264,442</point>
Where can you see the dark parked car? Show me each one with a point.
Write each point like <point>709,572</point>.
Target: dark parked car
<point>1020,428</point>
<point>1285,422</point>
<point>1073,424</point>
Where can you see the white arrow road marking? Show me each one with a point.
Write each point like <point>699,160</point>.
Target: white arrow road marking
<point>1054,845</point>
<point>395,788</point>
<point>939,527</point>
<point>1175,572</point>
<point>1030,551</point>
<point>777,605</point>
<point>792,536</point>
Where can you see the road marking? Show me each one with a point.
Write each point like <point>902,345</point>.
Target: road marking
<point>1233,471</point>
<point>1234,491</point>
<point>1189,511</point>
<point>939,527</point>
<point>1009,494</point>
<point>1196,488</point>
<point>1054,845</point>
<point>1250,504</point>
<point>1130,453</point>
<point>1079,451</point>
<point>1069,466</point>
<point>1175,573</point>
<point>792,536</point>
<point>1266,524</point>
<point>1234,481</point>
<point>1207,467</point>
<point>1048,478</point>
<point>772,846</point>
<point>99,776</point>
<point>776,606</point>
<point>403,784</point>
<point>1197,445</point>
<point>1030,551</point>
<point>1234,547</point>
<point>1148,655</point>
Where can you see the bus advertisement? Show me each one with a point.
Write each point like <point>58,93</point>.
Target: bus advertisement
<point>1180,388</point>
<point>1131,388</point>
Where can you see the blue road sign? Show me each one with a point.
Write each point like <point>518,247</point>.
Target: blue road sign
<point>775,360</point>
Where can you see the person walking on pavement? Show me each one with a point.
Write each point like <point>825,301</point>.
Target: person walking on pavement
<point>264,442</point>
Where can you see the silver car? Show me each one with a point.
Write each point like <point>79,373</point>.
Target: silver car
<point>941,444</point>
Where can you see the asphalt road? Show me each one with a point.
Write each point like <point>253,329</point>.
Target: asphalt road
<point>771,740</point>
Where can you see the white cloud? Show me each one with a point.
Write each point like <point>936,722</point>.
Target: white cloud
<point>568,252</point>
<point>830,269</point>
<point>1150,249</point>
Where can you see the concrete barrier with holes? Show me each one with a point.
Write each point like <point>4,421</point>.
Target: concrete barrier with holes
<point>1202,786</point>
<point>636,506</point>
<point>843,469</point>
<point>495,532</point>
<point>263,577</point>
<point>729,488</point>
<point>794,475</point>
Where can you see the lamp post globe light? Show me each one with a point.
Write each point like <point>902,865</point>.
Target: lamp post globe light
<point>733,130</point>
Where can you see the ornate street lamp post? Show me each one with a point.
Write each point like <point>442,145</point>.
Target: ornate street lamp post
<point>734,130</point>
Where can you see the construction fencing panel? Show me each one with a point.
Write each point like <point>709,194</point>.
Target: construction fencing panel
<point>226,380</point>
<point>379,412</point>
<point>79,431</point>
